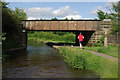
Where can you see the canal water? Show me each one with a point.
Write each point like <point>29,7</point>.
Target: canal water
<point>41,61</point>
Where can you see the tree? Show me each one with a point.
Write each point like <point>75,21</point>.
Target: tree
<point>19,14</point>
<point>10,25</point>
<point>72,19</point>
<point>54,18</point>
<point>102,15</point>
<point>113,15</point>
<point>66,18</point>
<point>11,18</point>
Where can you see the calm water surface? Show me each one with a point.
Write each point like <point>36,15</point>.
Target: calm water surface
<point>41,61</point>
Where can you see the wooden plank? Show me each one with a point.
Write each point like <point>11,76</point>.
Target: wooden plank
<point>25,24</point>
<point>29,25</point>
<point>40,25</point>
<point>54,25</point>
<point>72,25</point>
<point>81,25</point>
<point>63,25</point>
<point>94,25</point>
<point>35,25</point>
<point>46,25</point>
<point>88,25</point>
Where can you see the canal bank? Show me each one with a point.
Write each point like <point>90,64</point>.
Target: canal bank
<point>41,61</point>
<point>81,59</point>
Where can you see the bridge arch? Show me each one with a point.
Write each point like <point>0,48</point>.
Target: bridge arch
<point>87,27</point>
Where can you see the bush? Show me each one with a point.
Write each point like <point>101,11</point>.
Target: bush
<point>100,42</point>
<point>97,44</point>
<point>102,39</point>
<point>79,62</point>
<point>4,56</point>
<point>89,44</point>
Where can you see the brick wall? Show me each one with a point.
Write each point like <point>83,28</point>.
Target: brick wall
<point>113,39</point>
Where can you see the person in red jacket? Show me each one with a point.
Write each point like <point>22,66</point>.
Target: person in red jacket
<point>80,37</point>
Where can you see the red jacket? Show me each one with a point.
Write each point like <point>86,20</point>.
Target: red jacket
<point>80,37</point>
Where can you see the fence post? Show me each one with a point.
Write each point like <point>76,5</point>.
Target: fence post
<point>106,39</point>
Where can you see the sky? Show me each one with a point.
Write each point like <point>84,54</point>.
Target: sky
<point>61,10</point>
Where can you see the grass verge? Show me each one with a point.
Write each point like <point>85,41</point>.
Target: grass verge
<point>52,37</point>
<point>81,59</point>
<point>110,50</point>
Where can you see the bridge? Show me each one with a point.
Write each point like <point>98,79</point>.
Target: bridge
<point>89,28</point>
<point>84,25</point>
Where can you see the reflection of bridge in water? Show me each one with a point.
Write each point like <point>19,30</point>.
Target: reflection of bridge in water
<point>87,27</point>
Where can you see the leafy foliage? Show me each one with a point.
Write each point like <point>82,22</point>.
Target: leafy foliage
<point>11,18</point>
<point>102,15</point>
<point>72,19</point>
<point>66,18</point>
<point>10,26</point>
<point>100,42</point>
<point>19,14</point>
<point>102,39</point>
<point>113,15</point>
<point>54,18</point>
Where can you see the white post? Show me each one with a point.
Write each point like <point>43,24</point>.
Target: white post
<point>105,39</point>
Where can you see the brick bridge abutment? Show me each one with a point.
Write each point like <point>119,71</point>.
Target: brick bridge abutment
<point>91,36</point>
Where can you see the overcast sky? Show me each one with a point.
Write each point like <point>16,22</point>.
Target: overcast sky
<point>61,10</point>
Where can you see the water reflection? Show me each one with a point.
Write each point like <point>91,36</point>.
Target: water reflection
<point>41,61</point>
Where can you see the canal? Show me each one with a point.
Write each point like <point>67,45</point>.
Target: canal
<point>41,61</point>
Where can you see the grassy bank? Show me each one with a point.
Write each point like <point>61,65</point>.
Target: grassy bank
<point>81,59</point>
<point>110,50</point>
<point>64,37</point>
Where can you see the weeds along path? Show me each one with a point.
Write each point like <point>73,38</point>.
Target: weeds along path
<point>99,54</point>
<point>103,55</point>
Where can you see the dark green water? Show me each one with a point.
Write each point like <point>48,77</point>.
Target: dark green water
<point>41,61</point>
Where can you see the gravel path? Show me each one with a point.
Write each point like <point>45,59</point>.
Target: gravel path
<point>103,55</point>
<point>99,54</point>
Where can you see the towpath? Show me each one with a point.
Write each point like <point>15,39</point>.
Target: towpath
<point>103,55</point>
<point>93,52</point>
